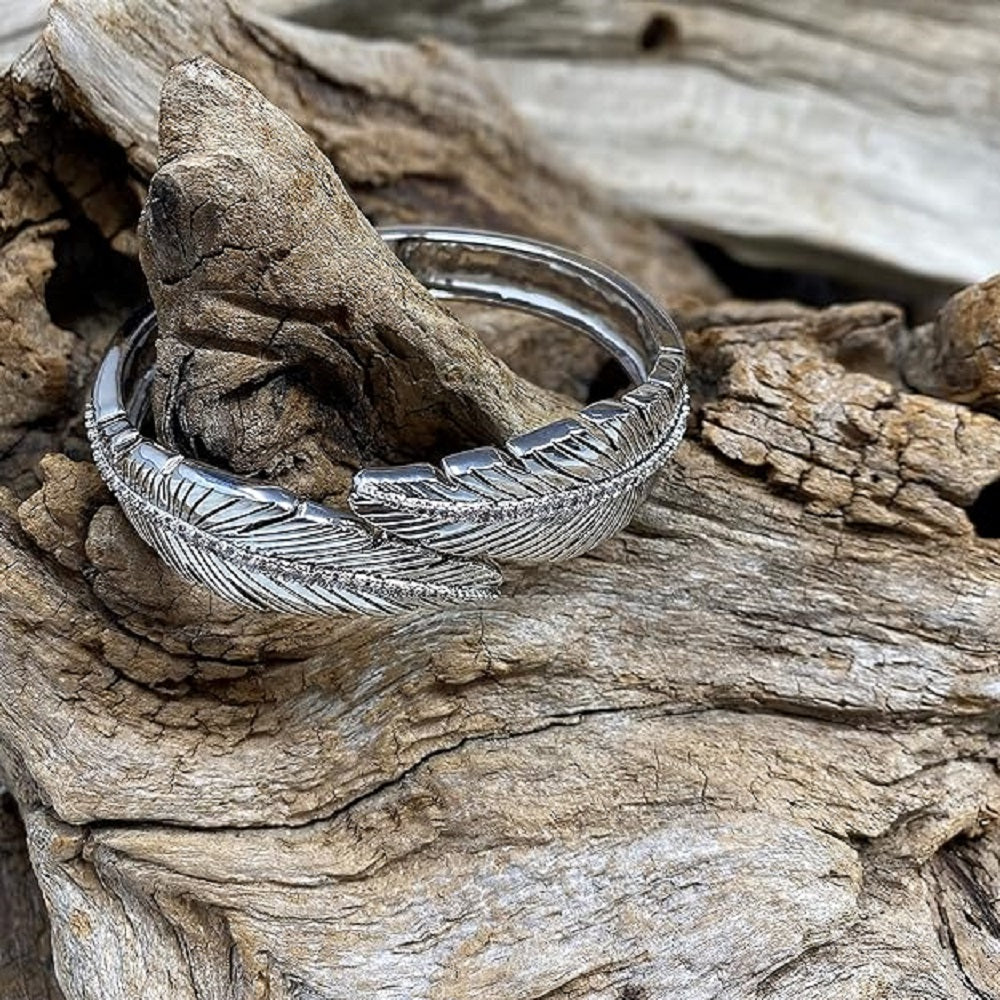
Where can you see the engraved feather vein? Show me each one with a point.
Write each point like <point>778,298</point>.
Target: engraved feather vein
<point>264,553</point>
<point>553,498</point>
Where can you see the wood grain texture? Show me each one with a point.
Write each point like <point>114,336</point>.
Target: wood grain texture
<point>332,368</point>
<point>437,142</point>
<point>853,135</point>
<point>746,750</point>
<point>957,356</point>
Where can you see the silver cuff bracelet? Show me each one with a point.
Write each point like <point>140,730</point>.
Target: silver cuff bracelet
<point>420,535</point>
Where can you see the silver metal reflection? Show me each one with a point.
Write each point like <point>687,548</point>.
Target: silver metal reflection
<point>420,533</point>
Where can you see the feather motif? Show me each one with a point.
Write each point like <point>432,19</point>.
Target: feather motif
<point>546,495</point>
<point>261,547</point>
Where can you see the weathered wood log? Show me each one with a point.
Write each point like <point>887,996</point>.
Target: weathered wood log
<point>747,749</point>
<point>841,136</point>
<point>324,364</point>
<point>776,129</point>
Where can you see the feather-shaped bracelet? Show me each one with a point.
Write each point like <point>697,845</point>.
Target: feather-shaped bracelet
<point>421,535</point>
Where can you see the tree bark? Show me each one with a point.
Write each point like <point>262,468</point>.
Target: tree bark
<point>747,749</point>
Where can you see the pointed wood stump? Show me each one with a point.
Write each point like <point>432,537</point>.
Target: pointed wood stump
<point>746,750</point>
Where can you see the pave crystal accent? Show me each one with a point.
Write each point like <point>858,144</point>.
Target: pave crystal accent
<point>572,498</point>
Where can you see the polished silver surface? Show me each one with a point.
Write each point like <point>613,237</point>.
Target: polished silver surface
<point>255,545</point>
<point>559,490</point>
<point>419,533</point>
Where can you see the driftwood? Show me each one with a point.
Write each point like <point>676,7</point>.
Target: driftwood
<point>838,136</point>
<point>748,749</point>
<point>720,117</point>
<point>847,136</point>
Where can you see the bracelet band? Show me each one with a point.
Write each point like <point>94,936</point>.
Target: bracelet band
<point>420,533</point>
